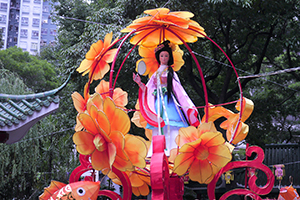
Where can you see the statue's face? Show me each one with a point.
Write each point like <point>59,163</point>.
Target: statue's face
<point>164,58</point>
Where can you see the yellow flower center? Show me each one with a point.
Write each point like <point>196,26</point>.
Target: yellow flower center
<point>100,143</point>
<point>201,153</point>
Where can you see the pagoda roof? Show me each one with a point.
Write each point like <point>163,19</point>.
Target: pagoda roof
<point>18,113</point>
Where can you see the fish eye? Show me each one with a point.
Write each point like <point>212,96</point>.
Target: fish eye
<point>80,191</point>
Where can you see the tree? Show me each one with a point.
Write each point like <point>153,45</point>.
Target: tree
<point>254,34</point>
<point>38,75</point>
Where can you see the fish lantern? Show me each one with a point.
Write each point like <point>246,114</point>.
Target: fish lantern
<point>81,190</point>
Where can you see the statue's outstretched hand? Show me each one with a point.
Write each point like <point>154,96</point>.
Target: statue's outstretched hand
<point>137,79</point>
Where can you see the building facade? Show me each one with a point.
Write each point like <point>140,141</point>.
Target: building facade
<point>26,24</point>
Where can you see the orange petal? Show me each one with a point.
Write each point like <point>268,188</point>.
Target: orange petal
<point>212,139</point>
<point>219,155</point>
<point>200,171</point>
<point>178,61</point>
<point>95,100</point>
<point>103,88</point>
<point>173,153</point>
<point>120,97</point>
<point>135,180</point>
<point>207,127</point>
<point>107,40</point>
<point>101,69</point>
<point>78,126</point>
<point>88,123</point>
<point>148,133</point>
<point>186,135</point>
<point>122,161</point>
<point>136,149</point>
<point>136,191</point>
<point>174,38</point>
<point>112,153</point>
<point>119,141</point>
<point>148,38</point>
<point>136,119</point>
<point>123,164</point>
<point>102,121</point>
<point>142,190</point>
<point>95,50</point>
<point>183,14</point>
<point>190,147</point>
<point>248,106</point>
<point>84,142</point>
<point>119,120</point>
<point>79,102</point>
<point>101,160</point>
<point>110,55</point>
<point>157,11</point>
<point>84,66</point>
<point>172,20</point>
<point>217,112</point>
<point>146,52</point>
<point>242,132</point>
<point>182,163</point>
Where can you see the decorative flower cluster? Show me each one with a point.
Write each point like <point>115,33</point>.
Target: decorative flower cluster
<point>103,125</point>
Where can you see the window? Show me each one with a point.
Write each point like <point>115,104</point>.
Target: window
<point>45,20</point>
<point>36,10</point>
<point>24,21</point>
<point>25,9</point>
<point>17,17</point>
<point>45,8</point>
<point>24,33</point>
<point>3,30</point>
<point>53,42</point>
<point>43,42</point>
<point>2,18</point>
<point>3,6</point>
<point>35,22</point>
<point>15,39</point>
<point>23,45</point>
<point>53,32</point>
<point>34,34</point>
<point>44,31</point>
<point>37,1</point>
<point>34,46</point>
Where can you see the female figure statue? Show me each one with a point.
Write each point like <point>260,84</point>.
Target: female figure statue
<point>163,101</point>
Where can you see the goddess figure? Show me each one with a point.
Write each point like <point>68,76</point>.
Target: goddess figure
<point>163,101</point>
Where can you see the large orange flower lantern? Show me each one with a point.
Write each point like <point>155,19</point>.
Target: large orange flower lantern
<point>165,25</point>
<point>203,152</point>
<point>105,137</point>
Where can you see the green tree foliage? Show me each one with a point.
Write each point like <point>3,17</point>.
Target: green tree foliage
<point>37,74</point>
<point>45,153</point>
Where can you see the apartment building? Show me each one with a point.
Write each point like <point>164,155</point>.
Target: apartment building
<point>27,24</point>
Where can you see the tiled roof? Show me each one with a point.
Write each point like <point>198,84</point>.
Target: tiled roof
<point>18,113</point>
<point>15,110</point>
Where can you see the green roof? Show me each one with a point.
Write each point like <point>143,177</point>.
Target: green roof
<point>18,113</point>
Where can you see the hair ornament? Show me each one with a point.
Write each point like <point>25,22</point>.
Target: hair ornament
<point>159,47</point>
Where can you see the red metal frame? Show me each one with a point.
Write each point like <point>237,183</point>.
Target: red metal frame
<point>253,190</point>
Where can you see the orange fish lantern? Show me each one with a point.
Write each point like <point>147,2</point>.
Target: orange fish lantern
<point>82,190</point>
<point>288,193</point>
